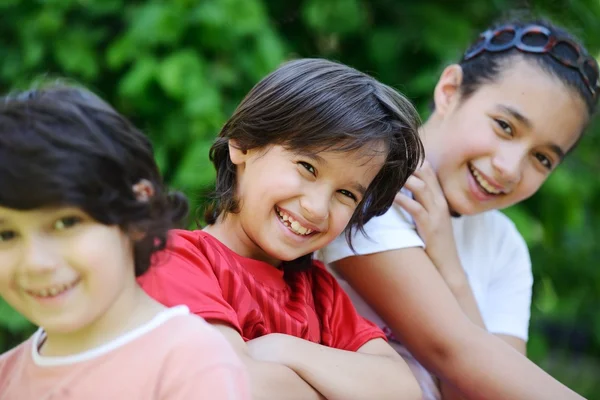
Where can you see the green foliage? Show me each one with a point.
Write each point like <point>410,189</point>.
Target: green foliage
<point>178,68</point>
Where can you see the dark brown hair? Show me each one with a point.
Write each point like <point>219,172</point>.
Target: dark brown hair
<point>64,146</point>
<point>318,105</point>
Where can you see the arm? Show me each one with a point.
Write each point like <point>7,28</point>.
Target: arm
<point>450,393</point>
<point>375,371</point>
<point>405,288</point>
<point>268,379</point>
<point>186,276</point>
<point>429,210</point>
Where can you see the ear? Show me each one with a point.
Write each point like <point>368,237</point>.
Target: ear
<point>447,90</point>
<point>237,154</point>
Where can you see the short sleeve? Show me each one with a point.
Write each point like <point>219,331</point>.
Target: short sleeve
<point>182,274</point>
<point>391,231</point>
<point>508,302</point>
<point>204,366</point>
<point>344,328</point>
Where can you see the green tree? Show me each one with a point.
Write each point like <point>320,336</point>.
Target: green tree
<point>178,68</point>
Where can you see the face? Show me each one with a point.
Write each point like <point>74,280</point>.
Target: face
<point>294,204</point>
<point>55,268</point>
<point>497,147</point>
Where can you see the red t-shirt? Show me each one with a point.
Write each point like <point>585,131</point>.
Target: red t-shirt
<point>252,296</point>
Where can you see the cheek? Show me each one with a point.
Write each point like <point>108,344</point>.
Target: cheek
<point>338,221</point>
<point>529,185</point>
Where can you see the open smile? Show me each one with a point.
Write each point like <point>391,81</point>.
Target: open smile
<point>484,184</point>
<point>52,291</point>
<point>293,224</point>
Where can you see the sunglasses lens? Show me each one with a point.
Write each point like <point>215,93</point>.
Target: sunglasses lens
<point>535,39</point>
<point>566,52</point>
<point>590,69</point>
<point>502,40</point>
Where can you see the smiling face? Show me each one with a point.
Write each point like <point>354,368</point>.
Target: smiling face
<point>496,147</point>
<point>292,204</point>
<point>55,268</point>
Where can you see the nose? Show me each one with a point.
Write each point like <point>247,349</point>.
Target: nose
<point>39,256</point>
<point>315,206</point>
<point>508,165</point>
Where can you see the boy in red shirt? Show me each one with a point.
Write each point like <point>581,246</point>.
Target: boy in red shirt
<point>315,148</point>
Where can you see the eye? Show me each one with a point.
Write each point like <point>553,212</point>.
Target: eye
<point>545,161</point>
<point>5,236</point>
<point>66,223</point>
<point>505,126</point>
<point>348,194</point>
<point>308,167</point>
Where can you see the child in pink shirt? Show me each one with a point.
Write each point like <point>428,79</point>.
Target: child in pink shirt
<point>82,210</point>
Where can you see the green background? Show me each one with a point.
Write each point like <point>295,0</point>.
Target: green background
<point>179,67</point>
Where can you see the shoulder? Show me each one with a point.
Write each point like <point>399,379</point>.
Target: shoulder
<point>391,231</point>
<point>193,336</point>
<point>14,357</point>
<point>493,227</point>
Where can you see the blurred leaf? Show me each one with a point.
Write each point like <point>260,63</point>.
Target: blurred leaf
<point>10,319</point>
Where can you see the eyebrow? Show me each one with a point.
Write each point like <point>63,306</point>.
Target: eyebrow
<point>560,153</point>
<point>314,156</point>
<point>557,150</point>
<point>516,115</point>
<point>359,188</point>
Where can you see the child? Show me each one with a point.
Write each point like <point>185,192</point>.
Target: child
<point>82,209</point>
<point>504,119</point>
<point>314,147</point>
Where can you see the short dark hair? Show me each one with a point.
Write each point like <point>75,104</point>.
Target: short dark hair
<point>63,146</point>
<point>486,67</point>
<point>320,105</point>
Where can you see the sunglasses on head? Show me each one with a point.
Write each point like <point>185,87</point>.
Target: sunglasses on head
<point>538,39</point>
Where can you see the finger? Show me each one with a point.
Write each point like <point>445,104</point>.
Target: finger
<point>427,174</point>
<point>413,207</point>
<point>420,191</point>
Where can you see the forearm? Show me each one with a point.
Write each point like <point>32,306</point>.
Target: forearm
<point>340,374</point>
<point>275,381</point>
<point>454,275</point>
<point>486,365</point>
<point>465,298</point>
<point>449,392</point>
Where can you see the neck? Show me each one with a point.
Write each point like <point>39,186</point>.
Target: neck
<point>428,134</point>
<point>131,309</point>
<point>231,233</point>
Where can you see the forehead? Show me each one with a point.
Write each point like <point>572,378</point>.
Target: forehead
<point>37,215</point>
<point>556,111</point>
<point>355,166</point>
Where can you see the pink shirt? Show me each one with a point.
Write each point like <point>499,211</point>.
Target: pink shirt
<point>174,356</point>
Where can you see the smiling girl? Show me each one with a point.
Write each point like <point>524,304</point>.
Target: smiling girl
<point>82,211</point>
<point>315,148</point>
<point>455,293</point>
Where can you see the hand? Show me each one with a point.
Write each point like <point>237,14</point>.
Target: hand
<point>432,218</point>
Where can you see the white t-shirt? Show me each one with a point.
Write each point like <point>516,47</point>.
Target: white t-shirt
<point>492,252</point>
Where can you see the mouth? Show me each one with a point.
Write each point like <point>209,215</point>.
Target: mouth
<point>293,225</point>
<point>486,186</point>
<point>52,291</point>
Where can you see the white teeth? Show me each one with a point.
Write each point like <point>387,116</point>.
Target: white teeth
<point>293,225</point>
<point>53,291</point>
<point>483,182</point>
